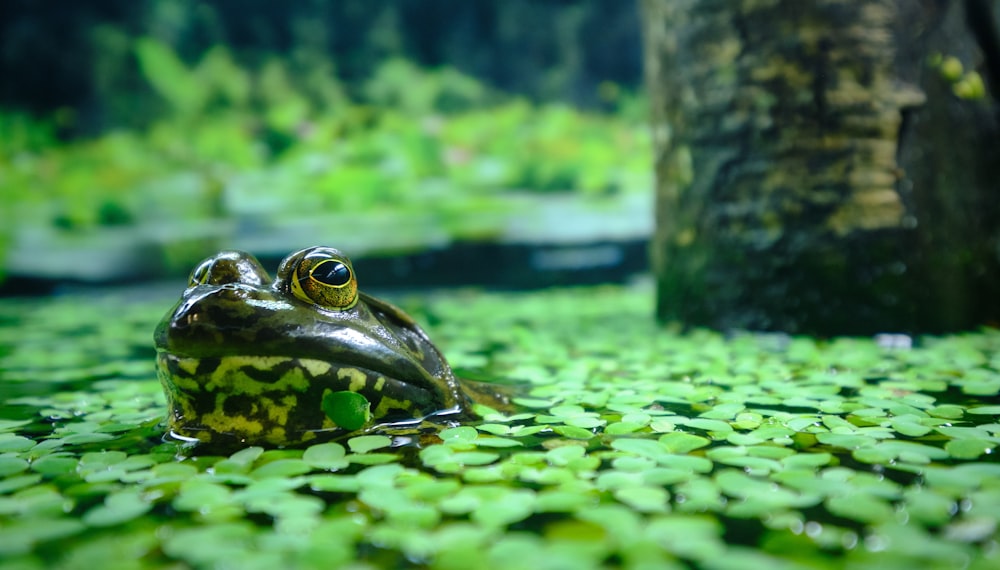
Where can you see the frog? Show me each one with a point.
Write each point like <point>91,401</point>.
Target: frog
<point>246,359</point>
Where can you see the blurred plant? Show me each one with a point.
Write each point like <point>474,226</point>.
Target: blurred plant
<point>401,85</point>
<point>283,138</point>
<point>965,84</point>
<point>23,133</point>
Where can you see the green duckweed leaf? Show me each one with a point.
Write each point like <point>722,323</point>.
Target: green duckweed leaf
<point>585,422</point>
<point>373,458</point>
<point>961,432</point>
<point>12,425</point>
<point>648,448</point>
<point>929,507</point>
<point>201,495</point>
<point>281,468</point>
<point>380,476</point>
<point>622,428</point>
<point>22,535</point>
<point>414,516</point>
<point>497,442</point>
<point>662,426</point>
<point>912,452</point>
<point>12,442</point>
<point>636,417</point>
<point>346,409</point>
<point>909,427</point>
<point>119,507</point>
<point>568,410</point>
<point>740,485</point>
<point>752,465</point>
<point>85,438</point>
<point>806,481</point>
<point>505,507</point>
<point>973,529</point>
<point>664,476</point>
<point>573,432</point>
<point>806,460</point>
<point>865,509</point>
<point>437,455</point>
<point>984,410</point>
<point>247,455</point>
<point>712,426</point>
<point>633,464</point>
<point>847,441</point>
<point>699,495</point>
<point>327,456</point>
<point>532,402</point>
<point>643,498</point>
<point>334,483</point>
<point>740,439</point>
<point>688,463</point>
<point>723,412</point>
<point>613,480</point>
<point>212,545</point>
<point>968,448</point>
<point>565,454</point>
<point>695,537</point>
<point>947,411</point>
<point>495,429</point>
<point>490,474</point>
<point>474,457</point>
<point>524,431</point>
<point>680,442</point>
<point>461,434</point>
<point>562,501</point>
<point>366,443</point>
<point>424,488</point>
<point>12,465</point>
<point>285,505</point>
<point>16,482</point>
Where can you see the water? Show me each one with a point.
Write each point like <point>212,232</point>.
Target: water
<point>631,445</point>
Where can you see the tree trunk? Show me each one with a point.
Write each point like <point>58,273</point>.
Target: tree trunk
<point>817,171</point>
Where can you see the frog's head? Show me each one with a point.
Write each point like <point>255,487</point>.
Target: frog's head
<point>245,359</point>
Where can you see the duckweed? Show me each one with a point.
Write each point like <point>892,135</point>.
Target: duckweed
<point>628,446</point>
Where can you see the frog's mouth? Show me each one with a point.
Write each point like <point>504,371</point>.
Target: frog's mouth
<point>277,399</point>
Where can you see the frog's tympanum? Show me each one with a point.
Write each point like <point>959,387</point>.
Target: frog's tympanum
<point>243,359</point>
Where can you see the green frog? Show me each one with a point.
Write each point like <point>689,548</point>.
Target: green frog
<point>247,360</point>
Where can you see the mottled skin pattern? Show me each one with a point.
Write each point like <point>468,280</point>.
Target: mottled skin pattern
<point>242,359</point>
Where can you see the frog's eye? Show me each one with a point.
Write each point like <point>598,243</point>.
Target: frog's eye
<point>328,282</point>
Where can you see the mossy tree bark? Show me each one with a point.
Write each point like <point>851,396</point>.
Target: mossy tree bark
<point>815,173</point>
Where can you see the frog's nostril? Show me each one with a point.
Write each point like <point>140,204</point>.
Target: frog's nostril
<point>233,291</point>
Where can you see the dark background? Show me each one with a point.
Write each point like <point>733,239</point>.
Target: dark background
<point>77,55</point>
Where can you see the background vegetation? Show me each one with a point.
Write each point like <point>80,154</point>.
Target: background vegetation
<point>163,112</point>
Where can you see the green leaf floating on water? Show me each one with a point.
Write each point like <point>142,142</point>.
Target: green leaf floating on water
<point>348,410</point>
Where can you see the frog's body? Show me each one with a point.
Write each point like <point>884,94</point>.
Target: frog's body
<point>245,359</point>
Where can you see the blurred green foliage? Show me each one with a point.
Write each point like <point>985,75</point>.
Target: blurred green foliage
<point>280,138</point>
<point>965,83</point>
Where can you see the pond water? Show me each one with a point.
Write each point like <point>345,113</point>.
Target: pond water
<point>633,446</point>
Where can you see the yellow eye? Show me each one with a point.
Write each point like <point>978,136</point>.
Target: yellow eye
<point>325,280</point>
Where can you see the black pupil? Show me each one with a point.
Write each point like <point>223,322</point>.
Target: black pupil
<point>332,273</point>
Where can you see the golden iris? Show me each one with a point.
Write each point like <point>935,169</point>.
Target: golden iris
<point>325,280</point>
